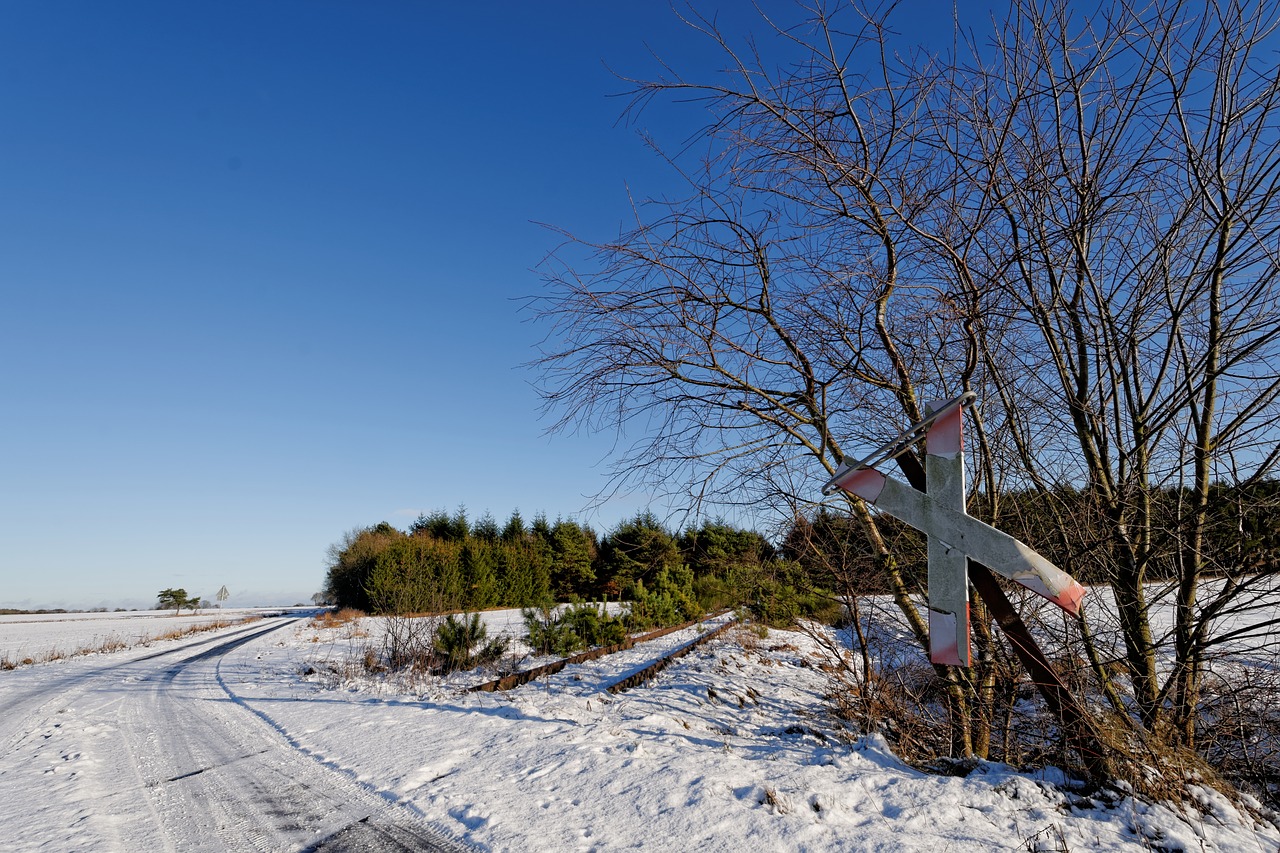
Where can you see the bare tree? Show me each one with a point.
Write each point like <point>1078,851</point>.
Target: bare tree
<point>1134,161</point>
<point>1076,219</point>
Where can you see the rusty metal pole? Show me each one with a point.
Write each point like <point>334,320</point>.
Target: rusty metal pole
<point>1079,728</point>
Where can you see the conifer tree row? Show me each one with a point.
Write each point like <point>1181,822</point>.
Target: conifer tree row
<point>445,562</point>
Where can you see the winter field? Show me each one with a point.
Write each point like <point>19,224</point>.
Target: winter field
<point>730,748</point>
<point>49,636</point>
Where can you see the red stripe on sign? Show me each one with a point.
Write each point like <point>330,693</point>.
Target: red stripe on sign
<point>866,483</point>
<point>943,645</point>
<point>946,436</point>
<point>1069,599</point>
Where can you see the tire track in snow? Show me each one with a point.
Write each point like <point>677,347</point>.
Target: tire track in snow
<point>165,758</point>
<point>363,834</point>
<point>27,691</point>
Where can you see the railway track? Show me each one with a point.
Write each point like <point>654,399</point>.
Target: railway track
<point>622,666</point>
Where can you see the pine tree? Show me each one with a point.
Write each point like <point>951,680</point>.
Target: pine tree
<point>479,573</point>
<point>514,530</point>
<point>574,550</point>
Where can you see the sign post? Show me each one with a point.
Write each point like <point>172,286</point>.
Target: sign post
<point>948,566</point>
<point>963,548</point>
<point>955,537</point>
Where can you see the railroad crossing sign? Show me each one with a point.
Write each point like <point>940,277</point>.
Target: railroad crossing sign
<point>955,537</point>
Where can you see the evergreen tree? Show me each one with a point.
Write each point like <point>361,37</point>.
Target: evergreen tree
<point>574,550</point>
<point>459,527</point>
<point>352,561</point>
<point>636,550</point>
<point>177,599</point>
<point>440,525</point>
<point>522,569</point>
<point>717,548</point>
<point>514,530</point>
<point>486,528</point>
<point>479,572</point>
<point>436,524</point>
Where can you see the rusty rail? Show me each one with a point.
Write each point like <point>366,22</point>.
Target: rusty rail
<point>516,679</point>
<point>661,663</point>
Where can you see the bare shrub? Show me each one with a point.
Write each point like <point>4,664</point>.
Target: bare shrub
<point>1240,729</point>
<point>408,642</point>
<point>412,609</point>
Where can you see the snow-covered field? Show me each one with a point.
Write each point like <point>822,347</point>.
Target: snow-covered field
<point>43,636</point>
<point>728,749</point>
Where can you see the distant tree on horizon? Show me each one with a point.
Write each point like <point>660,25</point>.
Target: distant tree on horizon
<point>177,599</point>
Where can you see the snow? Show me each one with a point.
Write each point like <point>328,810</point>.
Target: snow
<point>728,749</point>
<point>44,636</point>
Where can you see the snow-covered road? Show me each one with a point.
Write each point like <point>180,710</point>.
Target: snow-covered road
<point>150,751</point>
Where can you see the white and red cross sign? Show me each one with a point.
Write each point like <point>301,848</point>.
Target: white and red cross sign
<point>954,535</point>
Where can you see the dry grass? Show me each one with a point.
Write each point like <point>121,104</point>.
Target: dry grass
<point>336,618</point>
<point>178,633</point>
<point>1051,839</point>
<point>908,704</point>
<point>347,619</point>
<point>746,635</point>
<point>777,802</point>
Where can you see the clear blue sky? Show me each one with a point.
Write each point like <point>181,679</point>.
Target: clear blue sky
<point>260,266</point>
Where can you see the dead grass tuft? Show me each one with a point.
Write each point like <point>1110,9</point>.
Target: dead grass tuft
<point>745,635</point>
<point>1154,766</point>
<point>336,618</point>
<point>1051,839</point>
<point>348,619</point>
<point>372,661</point>
<point>775,801</point>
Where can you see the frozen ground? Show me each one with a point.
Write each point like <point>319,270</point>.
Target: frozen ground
<point>281,742</point>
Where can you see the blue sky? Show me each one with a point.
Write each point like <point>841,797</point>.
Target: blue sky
<point>261,265</point>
